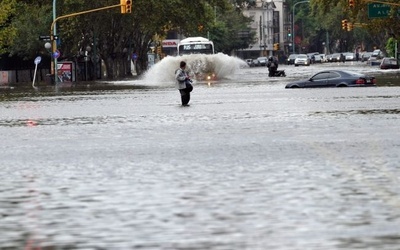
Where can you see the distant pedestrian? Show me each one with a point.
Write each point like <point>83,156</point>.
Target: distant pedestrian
<point>183,83</point>
<point>342,58</point>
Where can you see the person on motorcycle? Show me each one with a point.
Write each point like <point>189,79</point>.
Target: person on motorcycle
<point>272,66</point>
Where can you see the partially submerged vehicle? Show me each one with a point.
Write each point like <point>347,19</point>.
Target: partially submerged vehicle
<point>389,63</point>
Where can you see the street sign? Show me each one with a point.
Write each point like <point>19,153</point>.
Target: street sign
<point>44,38</point>
<point>48,38</point>
<point>379,10</point>
<point>37,60</point>
<point>134,56</point>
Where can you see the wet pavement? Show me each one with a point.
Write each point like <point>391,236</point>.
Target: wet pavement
<point>249,165</point>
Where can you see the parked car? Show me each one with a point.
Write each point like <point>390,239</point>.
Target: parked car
<point>389,63</point>
<point>324,58</point>
<point>350,56</point>
<point>377,54</point>
<point>256,62</point>
<point>290,59</point>
<point>335,57</point>
<point>335,78</point>
<point>318,58</point>
<point>250,62</point>
<point>312,56</point>
<point>302,59</point>
<point>365,56</point>
<point>263,61</point>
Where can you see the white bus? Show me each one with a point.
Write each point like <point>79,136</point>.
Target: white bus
<point>195,45</point>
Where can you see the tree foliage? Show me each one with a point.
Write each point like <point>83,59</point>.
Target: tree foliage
<point>7,32</point>
<point>113,36</point>
<point>368,32</point>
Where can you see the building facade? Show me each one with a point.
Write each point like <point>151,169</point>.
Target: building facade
<point>272,25</point>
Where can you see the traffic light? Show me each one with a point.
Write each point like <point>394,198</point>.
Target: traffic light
<point>344,24</point>
<point>350,26</point>
<point>126,6</point>
<point>289,33</point>
<point>200,27</point>
<point>351,3</point>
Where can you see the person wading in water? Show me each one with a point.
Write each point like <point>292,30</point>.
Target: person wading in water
<point>183,83</point>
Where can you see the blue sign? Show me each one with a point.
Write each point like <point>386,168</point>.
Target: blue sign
<point>56,54</point>
<point>134,56</point>
<point>37,60</point>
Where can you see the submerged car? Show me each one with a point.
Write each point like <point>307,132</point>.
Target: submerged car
<point>335,78</point>
<point>389,63</point>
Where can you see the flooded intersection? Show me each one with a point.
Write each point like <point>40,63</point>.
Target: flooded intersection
<point>249,165</point>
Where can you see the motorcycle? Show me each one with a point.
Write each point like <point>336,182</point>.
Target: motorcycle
<point>277,73</point>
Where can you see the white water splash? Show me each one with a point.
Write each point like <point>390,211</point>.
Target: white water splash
<point>223,66</point>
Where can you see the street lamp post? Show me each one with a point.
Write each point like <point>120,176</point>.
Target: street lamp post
<point>88,49</point>
<point>293,31</point>
<point>48,48</point>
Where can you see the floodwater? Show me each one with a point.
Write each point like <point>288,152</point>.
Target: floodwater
<point>248,166</point>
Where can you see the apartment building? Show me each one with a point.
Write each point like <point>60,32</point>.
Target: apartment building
<point>272,24</point>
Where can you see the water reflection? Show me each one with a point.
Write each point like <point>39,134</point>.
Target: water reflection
<point>390,80</point>
<point>360,112</point>
<point>64,121</point>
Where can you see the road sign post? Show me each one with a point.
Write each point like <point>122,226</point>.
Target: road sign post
<point>36,62</point>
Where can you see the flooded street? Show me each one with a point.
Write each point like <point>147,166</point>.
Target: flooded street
<point>249,165</point>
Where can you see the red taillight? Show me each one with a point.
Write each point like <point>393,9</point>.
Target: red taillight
<point>373,81</point>
<point>360,81</point>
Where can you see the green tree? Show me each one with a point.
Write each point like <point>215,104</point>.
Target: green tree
<point>368,32</point>
<point>229,31</point>
<point>391,46</point>
<point>30,22</point>
<point>111,35</point>
<point>115,35</point>
<point>7,32</point>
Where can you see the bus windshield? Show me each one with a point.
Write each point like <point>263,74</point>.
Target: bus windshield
<point>195,49</point>
<point>195,45</point>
